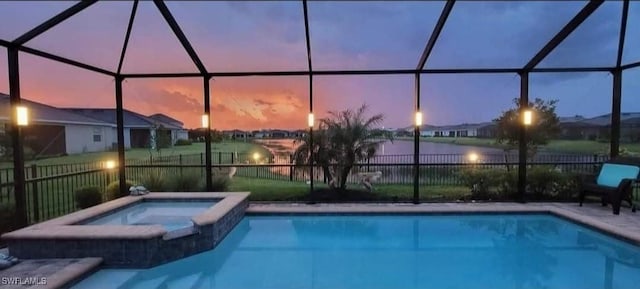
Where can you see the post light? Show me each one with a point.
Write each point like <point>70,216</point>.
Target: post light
<point>110,164</point>
<point>22,116</point>
<point>418,118</point>
<point>310,119</point>
<point>473,157</point>
<point>205,120</point>
<point>527,117</point>
<point>256,156</point>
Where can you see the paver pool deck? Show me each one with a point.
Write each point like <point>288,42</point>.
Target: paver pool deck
<point>626,225</point>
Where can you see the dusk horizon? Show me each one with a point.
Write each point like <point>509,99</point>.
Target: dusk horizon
<point>269,36</point>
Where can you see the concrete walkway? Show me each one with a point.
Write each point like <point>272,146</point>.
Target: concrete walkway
<point>46,273</point>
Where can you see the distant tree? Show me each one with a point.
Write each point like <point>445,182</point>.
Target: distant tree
<point>545,125</point>
<point>342,139</point>
<point>217,136</point>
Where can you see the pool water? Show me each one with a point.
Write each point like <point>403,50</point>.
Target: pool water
<point>406,251</point>
<point>172,215</point>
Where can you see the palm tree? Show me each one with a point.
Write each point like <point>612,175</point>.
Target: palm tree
<point>342,140</point>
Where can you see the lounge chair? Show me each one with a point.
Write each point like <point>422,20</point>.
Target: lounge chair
<point>614,183</point>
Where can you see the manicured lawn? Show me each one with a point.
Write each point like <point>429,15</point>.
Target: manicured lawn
<point>243,149</point>
<point>563,146</point>
<point>275,190</point>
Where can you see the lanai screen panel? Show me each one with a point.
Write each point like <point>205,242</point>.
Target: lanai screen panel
<point>18,17</point>
<point>94,36</point>
<point>370,35</point>
<point>632,41</point>
<point>231,36</point>
<point>594,43</point>
<point>499,34</point>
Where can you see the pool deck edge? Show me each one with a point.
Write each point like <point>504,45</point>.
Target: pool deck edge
<point>568,211</point>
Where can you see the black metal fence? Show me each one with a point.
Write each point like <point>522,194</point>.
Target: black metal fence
<point>50,188</point>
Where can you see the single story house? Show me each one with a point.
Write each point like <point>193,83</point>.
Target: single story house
<point>54,131</point>
<point>485,129</point>
<point>57,131</point>
<point>599,127</point>
<point>139,130</point>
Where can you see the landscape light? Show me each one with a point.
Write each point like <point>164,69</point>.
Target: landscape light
<point>110,164</point>
<point>310,119</point>
<point>22,116</point>
<point>418,118</point>
<point>527,117</point>
<point>256,156</point>
<point>473,157</point>
<point>205,120</point>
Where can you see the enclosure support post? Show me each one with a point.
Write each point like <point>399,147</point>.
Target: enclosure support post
<point>122,177</point>
<point>615,114</point>
<point>522,142</point>
<point>416,146</point>
<point>19,178</point>
<point>207,136</point>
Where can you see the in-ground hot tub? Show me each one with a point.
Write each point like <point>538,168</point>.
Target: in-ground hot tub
<point>172,215</point>
<point>135,231</point>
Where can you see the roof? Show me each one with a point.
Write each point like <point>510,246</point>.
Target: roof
<point>605,119</point>
<point>458,126</point>
<point>165,119</point>
<point>42,113</point>
<point>131,119</point>
<point>568,119</point>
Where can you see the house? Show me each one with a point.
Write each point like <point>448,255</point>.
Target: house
<point>485,129</point>
<point>54,131</point>
<point>139,130</point>
<point>236,134</point>
<point>300,133</point>
<point>599,127</point>
<point>278,133</point>
<point>174,125</point>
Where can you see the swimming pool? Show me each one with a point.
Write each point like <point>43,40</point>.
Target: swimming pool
<point>397,251</point>
<point>172,215</point>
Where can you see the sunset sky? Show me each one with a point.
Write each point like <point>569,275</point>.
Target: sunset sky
<point>267,36</point>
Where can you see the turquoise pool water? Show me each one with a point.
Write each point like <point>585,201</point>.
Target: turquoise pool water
<point>448,251</point>
<point>172,215</point>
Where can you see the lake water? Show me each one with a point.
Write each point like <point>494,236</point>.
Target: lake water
<point>401,151</point>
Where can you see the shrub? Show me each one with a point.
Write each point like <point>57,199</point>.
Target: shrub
<point>508,184</point>
<point>541,180</point>
<point>186,183</point>
<point>481,181</point>
<point>220,183</point>
<point>155,181</point>
<point>7,218</point>
<point>182,142</point>
<point>87,197</point>
<point>113,190</point>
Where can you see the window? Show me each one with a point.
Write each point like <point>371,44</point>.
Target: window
<point>97,138</point>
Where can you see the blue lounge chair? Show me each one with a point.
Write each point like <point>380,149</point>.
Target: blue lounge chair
<point>614,183</point>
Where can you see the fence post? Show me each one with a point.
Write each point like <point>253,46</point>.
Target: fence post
<point>34,191</point>
<point>290,168</point>
<point>180,163</point>
<point>202,173</point>
<point>232,157</point>
<point>219,157</point>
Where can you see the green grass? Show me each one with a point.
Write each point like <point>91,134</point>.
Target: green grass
<point>276,190</point>
<point>562,146</point>
<point>242,148</point>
